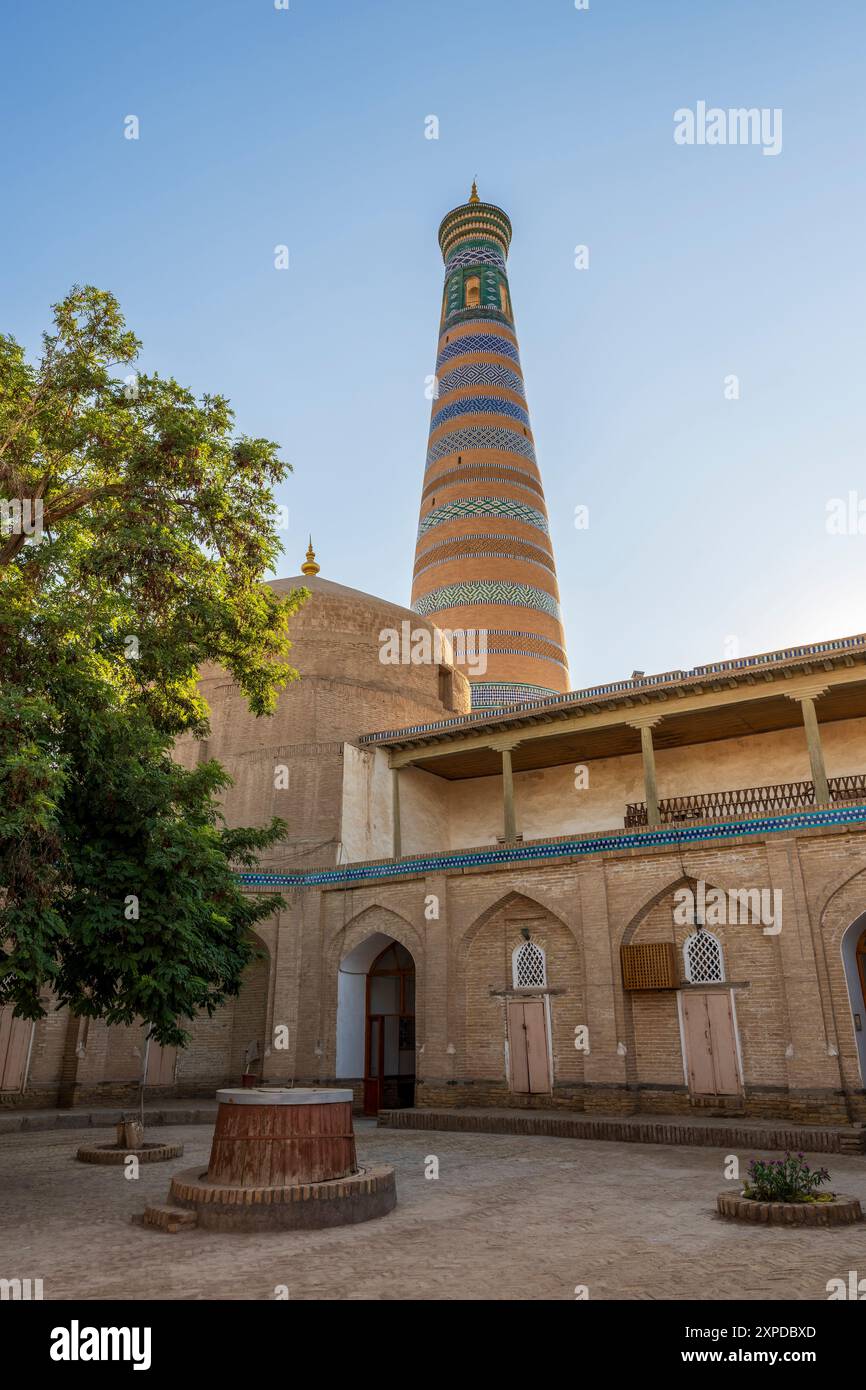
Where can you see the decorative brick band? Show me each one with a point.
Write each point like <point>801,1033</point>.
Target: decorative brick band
<point>462,474</point>
<point>489,552</point>
<point>498,438</point>
<point>507,546</point>
<point>503,639</point>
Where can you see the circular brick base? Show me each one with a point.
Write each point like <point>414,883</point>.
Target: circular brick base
<point>369,1193</point>
<point>110,1153</point>
<point>842,1211</point>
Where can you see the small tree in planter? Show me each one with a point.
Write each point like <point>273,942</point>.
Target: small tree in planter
<point>788,1179</point>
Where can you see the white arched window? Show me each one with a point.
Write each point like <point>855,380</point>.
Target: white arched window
<point>702,957</point>
<point>529,966</point>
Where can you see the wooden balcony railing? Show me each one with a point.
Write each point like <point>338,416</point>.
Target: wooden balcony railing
<point>746,801</point>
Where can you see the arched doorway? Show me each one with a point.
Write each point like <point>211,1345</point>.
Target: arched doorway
<point>854,960</point>
<point>376,1023</point>
<point>389,1052</point>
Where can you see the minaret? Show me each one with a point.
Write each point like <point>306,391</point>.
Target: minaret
<point>484,559</point>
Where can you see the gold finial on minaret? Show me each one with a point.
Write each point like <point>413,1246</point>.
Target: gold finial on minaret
<point>309,566</point>
<point>473,196</point>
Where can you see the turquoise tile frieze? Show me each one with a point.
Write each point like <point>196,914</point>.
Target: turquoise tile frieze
<point>503,507</point>
<point>484,591</point>
<point>495,695</point>
<point>558,849</point>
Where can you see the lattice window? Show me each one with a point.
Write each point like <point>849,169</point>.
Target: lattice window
<point>702,955</point>
<point>529,966</point>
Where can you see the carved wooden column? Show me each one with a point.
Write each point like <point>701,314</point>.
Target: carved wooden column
<point>806,701</point>
<point>505,746</point>
<point>397,847</point>
<point>508,818</point>
<point>645,726</point>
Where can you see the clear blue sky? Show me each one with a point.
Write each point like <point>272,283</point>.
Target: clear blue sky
<point>306,127</point>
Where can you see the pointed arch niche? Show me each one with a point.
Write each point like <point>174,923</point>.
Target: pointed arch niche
<point>376,1022</point>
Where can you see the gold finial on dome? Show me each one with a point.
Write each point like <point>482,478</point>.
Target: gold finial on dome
<point>473,196</point>
<point>309,566</point>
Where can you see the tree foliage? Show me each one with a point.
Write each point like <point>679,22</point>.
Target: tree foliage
<point>158,527</point>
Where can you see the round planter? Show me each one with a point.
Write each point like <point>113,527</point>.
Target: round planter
<point>842,1211</point>
<point>110,1153</point>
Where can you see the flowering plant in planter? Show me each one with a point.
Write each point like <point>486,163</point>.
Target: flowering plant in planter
<point>788,1179</point>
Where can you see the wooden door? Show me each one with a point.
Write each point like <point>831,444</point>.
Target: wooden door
<point>527,1046</point>
<point>389,1053</point>
<point>710,1043</point>
<point>15,1036</point>
<point>375,1064</point>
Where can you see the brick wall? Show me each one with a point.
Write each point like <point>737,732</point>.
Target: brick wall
<point>794,1016</point>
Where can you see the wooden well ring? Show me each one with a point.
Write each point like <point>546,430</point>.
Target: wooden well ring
<point>282,1136</point>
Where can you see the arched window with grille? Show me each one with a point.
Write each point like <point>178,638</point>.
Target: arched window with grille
<point>473,291</point>
<point>703,960</point>
<point>529,966</point>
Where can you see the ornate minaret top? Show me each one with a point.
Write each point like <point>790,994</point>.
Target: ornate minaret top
<point>484,561</point>
<point>474,221</point>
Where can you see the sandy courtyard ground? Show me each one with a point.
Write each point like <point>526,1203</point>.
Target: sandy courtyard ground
<point>509,1217</point>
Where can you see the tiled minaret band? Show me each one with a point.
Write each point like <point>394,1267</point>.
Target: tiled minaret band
<point>484,559</point>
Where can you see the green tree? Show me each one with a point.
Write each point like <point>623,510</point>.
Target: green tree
<point>117,889</point>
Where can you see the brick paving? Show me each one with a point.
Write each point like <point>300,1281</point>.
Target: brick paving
<point>510,1217</point>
